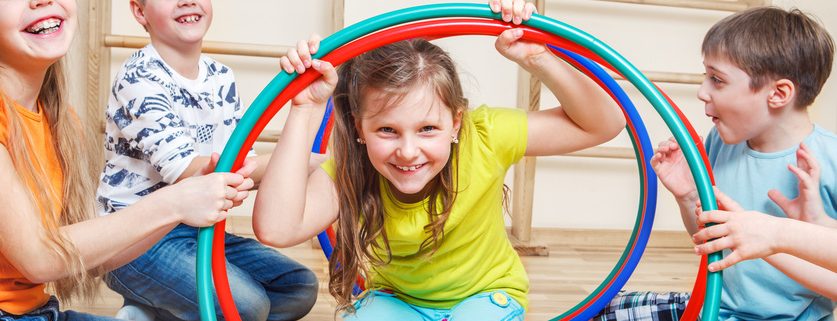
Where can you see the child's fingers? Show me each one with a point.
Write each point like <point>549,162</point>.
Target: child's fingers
<point>286,65</point>
<point>506,38</point>
<point>804,177</point>
<point>495,5</point>
<point>296,60</point>
<point>728,261</point>
<point>240,197</point>
<point>506,10</point>
<point>314,43</point>
<point>711,232</point>
<point>517,11</point>
<point>327,70</point>
<point>727,202</point>
<point>248,168</point>
<point>304,53</point>
<point>811,165</point>
<point>784,203</point>
<point>230,179</point>
<point>713,246</point>
<point>210,166</point>
<point>714,217</point>
<point>246,185</point>
<point>529,10</point>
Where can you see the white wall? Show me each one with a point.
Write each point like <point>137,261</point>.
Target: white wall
<point>569,192</point>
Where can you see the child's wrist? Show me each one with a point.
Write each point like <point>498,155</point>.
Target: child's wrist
<point>690,198</point>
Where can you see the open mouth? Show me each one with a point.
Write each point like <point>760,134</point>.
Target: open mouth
<point>44,27</point>
<point>411,168</point>
<point>192,18</point>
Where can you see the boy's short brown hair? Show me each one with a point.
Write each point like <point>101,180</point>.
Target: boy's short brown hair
<point>771,43</point>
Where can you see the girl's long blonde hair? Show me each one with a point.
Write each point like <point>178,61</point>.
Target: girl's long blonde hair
<point>72,143</point>
<point>395,70</point>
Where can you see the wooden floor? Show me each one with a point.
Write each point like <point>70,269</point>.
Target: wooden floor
<point>578,261</point>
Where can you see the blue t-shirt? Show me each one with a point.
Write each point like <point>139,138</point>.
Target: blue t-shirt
<point>755,290</point>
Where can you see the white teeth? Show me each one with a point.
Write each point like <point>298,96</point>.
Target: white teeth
<point>408,168</point>
<point>189,19</point>
<point>45,26</point>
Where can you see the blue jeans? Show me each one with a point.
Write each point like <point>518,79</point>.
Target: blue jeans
<point>486,306</point>
<point>265,284</point>
<point>50,312</point>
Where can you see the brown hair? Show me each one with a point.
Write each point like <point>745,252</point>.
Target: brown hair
<point>76,159</point>
<point>772,43</point>
<point>394,69</point>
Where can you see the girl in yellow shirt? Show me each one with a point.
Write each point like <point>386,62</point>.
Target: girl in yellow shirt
<point>416,183</point>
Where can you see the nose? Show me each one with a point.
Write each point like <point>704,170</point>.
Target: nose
<point>39,3</point>
<point>408,148</point>
<point>703,91</point>
<point>186,3</point>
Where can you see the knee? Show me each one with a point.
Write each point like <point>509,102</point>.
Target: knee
<point>309,286</point>
<point>253,303</point>
<point>298,295</point>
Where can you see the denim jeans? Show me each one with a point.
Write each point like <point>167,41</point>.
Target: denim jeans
<point>486,306</point>
<point>50,312</point>
<point>265,284</point>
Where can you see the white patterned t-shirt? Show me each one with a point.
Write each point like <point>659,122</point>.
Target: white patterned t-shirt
<point>158,121</point>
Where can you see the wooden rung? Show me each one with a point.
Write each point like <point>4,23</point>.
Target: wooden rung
<point>209,47</point>
<point>733,6</point>
<point>269,136</point>
<point>668,77</point>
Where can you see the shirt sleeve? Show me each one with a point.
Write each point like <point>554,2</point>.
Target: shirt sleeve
<point>503,130</point>
<point>143,113</point>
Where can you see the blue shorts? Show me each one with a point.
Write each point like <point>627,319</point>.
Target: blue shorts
<point>486,306</point>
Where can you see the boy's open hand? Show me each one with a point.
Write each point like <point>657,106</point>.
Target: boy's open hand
<point>806,207</point>
<point>673,170</point>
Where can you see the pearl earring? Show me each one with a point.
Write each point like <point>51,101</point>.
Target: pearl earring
<point>360,140</point>
<point>454,139</point>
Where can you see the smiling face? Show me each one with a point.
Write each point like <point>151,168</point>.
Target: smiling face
<point>739,112</point>
<point>408,141</point>
<point>174,22</point>
<point>35,34</point>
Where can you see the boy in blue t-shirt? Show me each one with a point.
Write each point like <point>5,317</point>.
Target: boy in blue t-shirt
<point>764,67</point>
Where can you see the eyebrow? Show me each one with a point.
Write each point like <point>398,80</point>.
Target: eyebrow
<point>716,70</point>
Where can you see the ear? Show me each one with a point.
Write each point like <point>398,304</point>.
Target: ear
<point>358,129</point>
<point>457,123</point>
<point>782,93</point>
<point>138,11</point>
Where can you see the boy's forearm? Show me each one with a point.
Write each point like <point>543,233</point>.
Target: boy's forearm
<point>811,276</point>
<point>809,242</point>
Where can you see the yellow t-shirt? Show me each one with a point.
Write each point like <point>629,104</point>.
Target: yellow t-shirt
<point>475,254</point>
<point>17,294</point>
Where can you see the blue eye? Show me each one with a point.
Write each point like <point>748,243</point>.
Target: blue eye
<point>386,130</point>
<point>427,128</point>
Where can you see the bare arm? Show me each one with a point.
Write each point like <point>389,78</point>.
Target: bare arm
<point>814,277</point>
<point>293,205</point>
<point>101,239</point>
<point>587,116</point>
